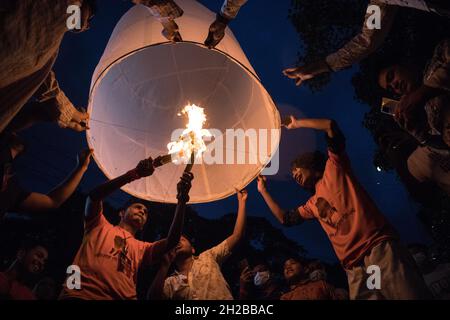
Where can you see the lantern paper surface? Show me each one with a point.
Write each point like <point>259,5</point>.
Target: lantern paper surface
<point>141,84</point>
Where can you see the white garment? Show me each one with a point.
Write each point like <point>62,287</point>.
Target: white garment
<point>429,164</point>
<point>204,281</point>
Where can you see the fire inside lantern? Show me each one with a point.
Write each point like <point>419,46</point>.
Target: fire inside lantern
<point>190,144</point>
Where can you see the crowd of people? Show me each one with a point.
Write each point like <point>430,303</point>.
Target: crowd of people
<point>110,255</point>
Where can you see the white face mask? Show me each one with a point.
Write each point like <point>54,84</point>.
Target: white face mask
<point>261,278</point>
<point>317,275</point>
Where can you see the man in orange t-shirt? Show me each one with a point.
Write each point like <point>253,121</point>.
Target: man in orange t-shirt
<point>358,231</point>
<point>110,256</point>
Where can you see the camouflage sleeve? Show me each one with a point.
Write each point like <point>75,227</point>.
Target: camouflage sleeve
<point>230,8</point>
<point>366,42</point>
<point>57,105</point>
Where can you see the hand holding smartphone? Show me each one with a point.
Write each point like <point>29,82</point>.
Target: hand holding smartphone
<point>389,106</point>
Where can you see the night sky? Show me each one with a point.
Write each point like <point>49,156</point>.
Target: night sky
<point>271,44</point>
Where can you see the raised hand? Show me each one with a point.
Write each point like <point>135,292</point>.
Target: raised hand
<point>290,122</point>
<point>84,158</point>
<point>145,168</point>
<point>79,121</point>
<point>184,186</point>
<point>216,31</point>
<point>262,183</point>
<point>242,195</point>
<point>306,72</point>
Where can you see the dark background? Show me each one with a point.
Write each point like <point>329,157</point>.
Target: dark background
<point>271,43</point>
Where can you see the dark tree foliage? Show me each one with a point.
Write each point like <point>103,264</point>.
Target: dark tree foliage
<point>324,26</point>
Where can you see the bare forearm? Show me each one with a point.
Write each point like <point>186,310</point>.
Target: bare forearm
<point>61,193</point>
<point>277,211</point>
<point>430,92</point>
<point>104,190</point>
<point>325,125</point>
<point>239,226</point>
<point>177,226</point>
<point>156,291</point>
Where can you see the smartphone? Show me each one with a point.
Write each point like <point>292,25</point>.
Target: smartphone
<point>388,106</point>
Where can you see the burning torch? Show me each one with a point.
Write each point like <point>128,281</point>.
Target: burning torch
<point>190,141</point>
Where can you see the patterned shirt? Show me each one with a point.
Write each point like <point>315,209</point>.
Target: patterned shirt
<point>29,50</point>
<point>430,164</point>
<point>368,40</point>
<point>230,8</point>
<point>204,281</point>
<point>162,9</point>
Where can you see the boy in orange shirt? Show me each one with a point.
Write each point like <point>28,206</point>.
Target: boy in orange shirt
<point>358,231</point>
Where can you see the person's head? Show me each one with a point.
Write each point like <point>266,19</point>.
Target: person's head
<point>88,10</point>
<point>46,289</point>
<point>32,257</point>
<point>294,270</point>
<point>262,274</point>
<point>184,248</point>
<point>135,215</point>
<point>399,79</point>
<point>307,169</point>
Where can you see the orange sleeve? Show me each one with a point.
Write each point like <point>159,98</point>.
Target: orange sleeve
<point>305,211</point>
<point>95,221</point>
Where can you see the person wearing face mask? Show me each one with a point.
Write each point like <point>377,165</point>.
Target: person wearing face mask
<point>436,276</point>
<point>317,271</point>
<point>301,284</point>
<point>30,261</point>
<point>258,283</point>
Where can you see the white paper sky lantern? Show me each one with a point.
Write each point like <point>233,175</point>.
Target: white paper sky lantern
<point>142,83</point>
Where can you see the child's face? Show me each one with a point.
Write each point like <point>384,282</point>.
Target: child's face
<point>184,247</point>
<point>292,269</point>
<point>35,260</point>
<point>398,80</point>
<point>306,178</point>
